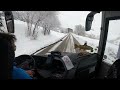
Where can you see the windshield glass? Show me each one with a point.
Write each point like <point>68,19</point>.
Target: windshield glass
<point>41,32</point>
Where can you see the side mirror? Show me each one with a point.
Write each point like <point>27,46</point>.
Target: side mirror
<point>89,20</point>
<point>9,21</point>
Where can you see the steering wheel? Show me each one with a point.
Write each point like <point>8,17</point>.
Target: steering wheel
<point>25,62</point>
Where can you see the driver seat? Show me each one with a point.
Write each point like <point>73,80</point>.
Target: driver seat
<point>6,56</point>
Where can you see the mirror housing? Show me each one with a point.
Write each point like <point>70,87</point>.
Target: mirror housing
<point>9,21</point>
<point>104,57</point>
<point>89,20</point>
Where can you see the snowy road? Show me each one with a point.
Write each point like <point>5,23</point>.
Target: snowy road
<point>64,45</point>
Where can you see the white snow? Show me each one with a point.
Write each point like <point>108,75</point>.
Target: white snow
<point>113,38</point>
<point>91,42</point>
<point>56,45</point>
<point>26,46</point>
<point>110,51</point>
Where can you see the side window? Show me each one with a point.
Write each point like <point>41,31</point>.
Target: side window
<point>113,41</point>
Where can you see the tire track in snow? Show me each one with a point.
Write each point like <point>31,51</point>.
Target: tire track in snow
<point>70,45</point>
<point>66,45</point>
<point>47,49</point>
<point>63,45</point>
<point>76,42</point>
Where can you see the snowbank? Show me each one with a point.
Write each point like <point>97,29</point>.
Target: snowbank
<point>110,51</point>
<point>26,46</point>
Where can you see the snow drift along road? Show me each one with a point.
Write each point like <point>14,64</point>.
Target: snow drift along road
<point>26,46</point>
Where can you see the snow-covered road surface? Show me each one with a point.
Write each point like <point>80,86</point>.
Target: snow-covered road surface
<point>65,45</point>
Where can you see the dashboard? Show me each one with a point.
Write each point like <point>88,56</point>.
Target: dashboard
<point>47,67</point>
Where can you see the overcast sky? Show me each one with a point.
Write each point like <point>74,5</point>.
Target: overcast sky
<point>72,18</point>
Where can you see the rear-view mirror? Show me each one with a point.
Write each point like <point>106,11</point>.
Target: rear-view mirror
<point>9,21</point>
<point>89,20</point>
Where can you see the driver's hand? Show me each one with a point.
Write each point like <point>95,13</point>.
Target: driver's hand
<point>30,72</point>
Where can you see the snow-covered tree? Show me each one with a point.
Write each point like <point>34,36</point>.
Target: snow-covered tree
<point>26,16</point>
<point>47,19</point>
<point>18,15</point>
<point>62,30</point>
<point>50,22</point>
<point>80,30</point>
